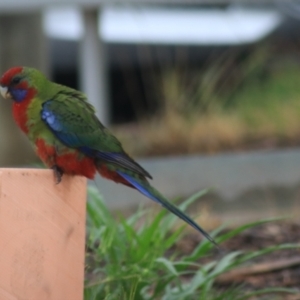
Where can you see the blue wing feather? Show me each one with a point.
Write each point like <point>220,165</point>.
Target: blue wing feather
<point>58,125</point>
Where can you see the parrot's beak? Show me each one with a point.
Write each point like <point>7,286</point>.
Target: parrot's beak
<point>4,92</point>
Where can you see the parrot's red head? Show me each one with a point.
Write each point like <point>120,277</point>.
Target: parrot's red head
<point>21,84</point>
<point>16,84</point>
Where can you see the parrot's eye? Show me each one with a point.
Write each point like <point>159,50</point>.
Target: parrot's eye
<point>16,80</point>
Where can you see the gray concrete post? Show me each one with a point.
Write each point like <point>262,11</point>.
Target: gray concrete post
<point>92,62</point>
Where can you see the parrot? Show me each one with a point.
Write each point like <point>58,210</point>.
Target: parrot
<point>66,134</point>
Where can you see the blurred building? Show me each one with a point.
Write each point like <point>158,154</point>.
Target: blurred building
<point>114,53</point>
<point>140,40</point>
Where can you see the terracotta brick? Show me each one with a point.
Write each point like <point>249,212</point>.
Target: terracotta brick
<point>42,235</point>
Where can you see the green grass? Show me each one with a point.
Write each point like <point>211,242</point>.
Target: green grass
<point>131,258</point>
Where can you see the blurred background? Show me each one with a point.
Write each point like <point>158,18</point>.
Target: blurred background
<point>205,94</point>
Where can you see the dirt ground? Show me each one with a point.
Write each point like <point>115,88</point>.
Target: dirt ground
<point>277,269</point>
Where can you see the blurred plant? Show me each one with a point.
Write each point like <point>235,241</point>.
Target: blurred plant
<point>235,101</point>
<point>210,89</point>
<point>127,260</point>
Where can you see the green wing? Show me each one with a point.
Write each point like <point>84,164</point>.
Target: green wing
<point>73,121</point>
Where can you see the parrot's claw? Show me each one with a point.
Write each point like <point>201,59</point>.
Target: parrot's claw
<point>58,173</point>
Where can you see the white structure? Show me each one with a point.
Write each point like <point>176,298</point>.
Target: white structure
<point>169,26</point>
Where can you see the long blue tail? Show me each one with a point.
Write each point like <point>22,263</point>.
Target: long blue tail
<point>146,189</point>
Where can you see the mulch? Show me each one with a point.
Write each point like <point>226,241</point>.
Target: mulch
<point>277,269</point>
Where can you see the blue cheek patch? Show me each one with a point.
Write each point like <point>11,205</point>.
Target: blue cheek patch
<point>18,94</point>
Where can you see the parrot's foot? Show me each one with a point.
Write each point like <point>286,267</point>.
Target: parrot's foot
<point>58,173</point>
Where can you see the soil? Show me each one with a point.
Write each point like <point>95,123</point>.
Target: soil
<point>277,269</point>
